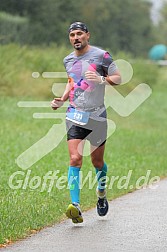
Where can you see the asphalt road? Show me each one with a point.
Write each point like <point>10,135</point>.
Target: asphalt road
<point>135,222</point>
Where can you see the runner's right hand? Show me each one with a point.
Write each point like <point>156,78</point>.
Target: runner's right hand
<point>57,103</point>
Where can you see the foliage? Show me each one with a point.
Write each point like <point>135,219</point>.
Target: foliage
<point>120,25</point>
<point>18,64</point>
<point>161,28</point>
<point>13,28</point>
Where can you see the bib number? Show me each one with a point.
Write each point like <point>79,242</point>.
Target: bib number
<point>78,116</point>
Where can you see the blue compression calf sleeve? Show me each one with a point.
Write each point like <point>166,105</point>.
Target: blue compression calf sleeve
<point>73,183</point>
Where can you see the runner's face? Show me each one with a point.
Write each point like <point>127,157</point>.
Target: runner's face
<point>79,39</point>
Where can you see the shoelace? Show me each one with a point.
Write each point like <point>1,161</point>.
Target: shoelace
<point>101,202</point>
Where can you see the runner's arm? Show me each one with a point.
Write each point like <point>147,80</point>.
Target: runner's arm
<point>114,79</point>
<point>59,101</point>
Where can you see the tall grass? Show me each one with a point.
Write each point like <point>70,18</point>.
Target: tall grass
<point>138,144</point>
<point>18,64</point>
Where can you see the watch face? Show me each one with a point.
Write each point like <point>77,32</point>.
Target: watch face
<point>103,79</point>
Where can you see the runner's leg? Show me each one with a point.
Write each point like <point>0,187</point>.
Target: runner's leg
<point>73,211</point>
<point>97,157</point>
<point>101,172</point>
<point>74,168</point>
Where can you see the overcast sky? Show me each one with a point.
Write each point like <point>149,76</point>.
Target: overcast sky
<point>155,10</point>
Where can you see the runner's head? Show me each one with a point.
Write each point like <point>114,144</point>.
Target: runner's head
<point>78,26</point>
<point>79,35</point>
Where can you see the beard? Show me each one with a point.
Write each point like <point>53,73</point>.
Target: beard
<point>78,45</point>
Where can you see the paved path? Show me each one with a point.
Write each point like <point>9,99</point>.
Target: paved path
<point>136,222</point>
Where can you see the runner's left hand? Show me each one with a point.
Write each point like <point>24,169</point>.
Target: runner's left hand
<point>92,76</point>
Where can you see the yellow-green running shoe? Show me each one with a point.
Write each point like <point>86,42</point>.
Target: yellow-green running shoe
<point>74,212</point>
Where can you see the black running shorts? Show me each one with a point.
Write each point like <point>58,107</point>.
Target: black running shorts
<point>94,131</point>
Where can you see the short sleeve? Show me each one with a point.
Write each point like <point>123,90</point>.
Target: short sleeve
<point>109,67</point>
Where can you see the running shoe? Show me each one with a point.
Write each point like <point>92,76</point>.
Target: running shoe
<point>74,212</point>
<point>102,203</point>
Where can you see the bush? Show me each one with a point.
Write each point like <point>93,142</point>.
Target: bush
<point>13,29</point>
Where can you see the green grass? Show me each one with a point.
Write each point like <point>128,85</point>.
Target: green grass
<point>18,64</point>
<point>138,144</point>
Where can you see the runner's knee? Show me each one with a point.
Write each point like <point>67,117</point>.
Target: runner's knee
<point>76,160</point>
<point>97,163</point>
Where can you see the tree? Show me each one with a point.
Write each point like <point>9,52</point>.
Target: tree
<point>16,7</point>
<point>119,25</point>
<point>161,29</point>
<point>49,20</point>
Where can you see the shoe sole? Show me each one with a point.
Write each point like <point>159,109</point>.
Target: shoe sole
<point>73,213</point>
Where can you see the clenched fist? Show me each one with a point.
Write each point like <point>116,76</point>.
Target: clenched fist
<point>57,103</point>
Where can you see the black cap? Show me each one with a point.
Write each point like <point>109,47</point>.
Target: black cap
<point>78,26</point>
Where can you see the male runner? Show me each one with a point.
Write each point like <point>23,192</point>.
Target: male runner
<point>89,69</point>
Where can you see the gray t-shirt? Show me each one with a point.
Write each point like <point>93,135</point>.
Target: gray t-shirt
<point>86,95</point>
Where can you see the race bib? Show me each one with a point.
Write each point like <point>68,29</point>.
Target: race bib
<point>78,116</point>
